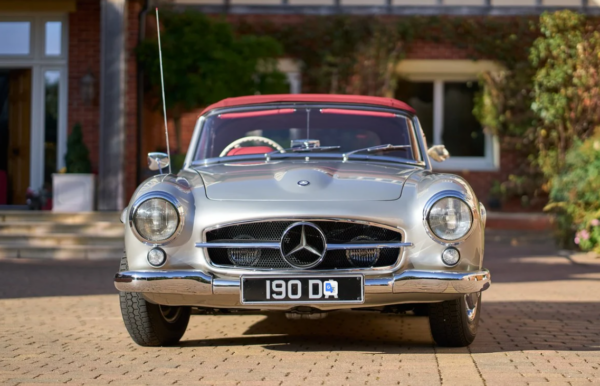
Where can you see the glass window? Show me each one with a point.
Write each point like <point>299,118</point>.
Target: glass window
<point>266,130</point>
<point>462,134</point>
<point>15,37</point>
<point>53,38</point>
<point>51,82</point>
<point>419,96</point>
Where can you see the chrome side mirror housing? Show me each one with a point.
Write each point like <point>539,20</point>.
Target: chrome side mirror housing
<point>438,153</point>
<point>158,161</point>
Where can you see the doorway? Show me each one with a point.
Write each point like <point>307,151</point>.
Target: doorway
<point>15,135</point>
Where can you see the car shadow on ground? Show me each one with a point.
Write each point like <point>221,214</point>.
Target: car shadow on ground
<point>504,327</point>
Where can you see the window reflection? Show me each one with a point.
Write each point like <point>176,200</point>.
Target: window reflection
<point>53,38</point>
<point>18,33</point>
<point>51,86</point>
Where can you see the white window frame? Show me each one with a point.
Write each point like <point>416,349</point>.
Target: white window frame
<point>38,62</point>
<point>439,72</point>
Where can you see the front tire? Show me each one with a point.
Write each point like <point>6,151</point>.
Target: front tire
<point>151,324</point>
<point>454,323</point>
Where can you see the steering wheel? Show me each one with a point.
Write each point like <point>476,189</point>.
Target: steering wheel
<point>235,144</point>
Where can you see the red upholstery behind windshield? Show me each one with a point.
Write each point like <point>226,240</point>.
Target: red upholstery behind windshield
<point>250,150</point>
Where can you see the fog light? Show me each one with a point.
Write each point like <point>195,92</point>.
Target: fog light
<point>157,257</point>
<point>363,257</point>
<point>451,256</point>
<point>244,257</point>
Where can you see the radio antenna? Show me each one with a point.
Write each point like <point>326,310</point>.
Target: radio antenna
<point>162,84</point>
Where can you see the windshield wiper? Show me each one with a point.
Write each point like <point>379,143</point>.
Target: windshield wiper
<point>302,149</point>
<point>378,148</point>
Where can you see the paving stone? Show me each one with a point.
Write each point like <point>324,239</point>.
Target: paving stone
<point>539,324</point>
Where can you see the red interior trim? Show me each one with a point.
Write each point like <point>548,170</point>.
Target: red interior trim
<point>256,113</point>
<point>358,112</point>
<point>250,150</point>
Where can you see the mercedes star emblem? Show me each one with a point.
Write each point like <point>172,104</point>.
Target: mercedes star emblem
<point>303,183</point>
<point>303,245</point>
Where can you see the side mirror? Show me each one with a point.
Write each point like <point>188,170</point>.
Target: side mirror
<point>158,161</point>
<point>438,153</point>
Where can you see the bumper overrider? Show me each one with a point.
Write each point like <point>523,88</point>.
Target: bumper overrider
<point>190,282</point>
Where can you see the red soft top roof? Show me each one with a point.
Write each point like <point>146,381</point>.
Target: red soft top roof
<point>325,98</point>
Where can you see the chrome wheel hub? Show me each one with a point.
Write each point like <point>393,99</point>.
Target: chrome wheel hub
<point>471,305</point>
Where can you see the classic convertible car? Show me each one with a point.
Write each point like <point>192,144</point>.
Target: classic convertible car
<point>303,204</point>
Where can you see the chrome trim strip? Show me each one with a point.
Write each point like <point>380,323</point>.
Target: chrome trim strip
<point>417,281</point>
<point>330,247</point>
<point>380,285</point>
<point>241,245</point>
<point>165,282</point>
<point>422,141</point>
<point>226,286</point>
<point>165,196</point>
<point>335,247</point>
<point>194,282</point>
<point>467,199</point>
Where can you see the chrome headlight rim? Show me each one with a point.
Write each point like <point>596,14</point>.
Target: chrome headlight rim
<point>466,199</point>
<point>160,195</point>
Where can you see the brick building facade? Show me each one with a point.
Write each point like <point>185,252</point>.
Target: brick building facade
<point>100,86</point>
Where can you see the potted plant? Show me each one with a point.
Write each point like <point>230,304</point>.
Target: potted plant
<point>73,190</point>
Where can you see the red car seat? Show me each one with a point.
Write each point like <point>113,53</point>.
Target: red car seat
<point>250,150</point>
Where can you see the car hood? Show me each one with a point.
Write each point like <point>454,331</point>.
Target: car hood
<point>283,181</point>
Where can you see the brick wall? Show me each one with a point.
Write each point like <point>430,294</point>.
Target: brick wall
<point>481,182</point>
<point>84,57</point>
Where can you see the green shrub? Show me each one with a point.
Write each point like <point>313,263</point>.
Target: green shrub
<point>77,158</point>
<point>204,62</point>
<point>566,83</point>
<point>575,195</point>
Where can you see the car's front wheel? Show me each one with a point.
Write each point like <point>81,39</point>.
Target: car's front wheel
<point>454,323</point>
<point>151,324</point>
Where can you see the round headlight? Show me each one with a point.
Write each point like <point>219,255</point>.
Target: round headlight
<point>450,218</point>
<point>156,220</point>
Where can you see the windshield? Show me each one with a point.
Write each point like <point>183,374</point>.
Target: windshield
<point>317,129</point>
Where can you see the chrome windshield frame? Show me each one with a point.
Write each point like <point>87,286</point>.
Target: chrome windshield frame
<point>190,160</point>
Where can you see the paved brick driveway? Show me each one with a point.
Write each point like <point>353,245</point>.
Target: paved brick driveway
<point>540,324</point>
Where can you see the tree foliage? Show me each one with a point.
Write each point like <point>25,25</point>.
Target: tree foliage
<point>205,62</point>
<point>566,85</point>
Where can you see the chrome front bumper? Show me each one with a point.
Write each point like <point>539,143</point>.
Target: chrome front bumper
<point>200,283</point>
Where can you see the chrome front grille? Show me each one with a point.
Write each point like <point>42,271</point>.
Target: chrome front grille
<point>349,245</point>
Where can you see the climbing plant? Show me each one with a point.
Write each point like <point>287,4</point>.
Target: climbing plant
<point>566,85</point>
<point>205,62</point>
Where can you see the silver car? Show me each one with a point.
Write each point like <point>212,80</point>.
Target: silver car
<point>303,204</point>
